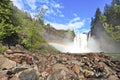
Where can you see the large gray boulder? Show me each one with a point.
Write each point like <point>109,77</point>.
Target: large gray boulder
<point>29,74</point>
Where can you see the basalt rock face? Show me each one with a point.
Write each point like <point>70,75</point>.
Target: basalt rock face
<point>103,39</point>
<point>59,66</point>
<point>50,34</point>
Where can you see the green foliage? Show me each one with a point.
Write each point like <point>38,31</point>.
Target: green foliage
<point>103,18</point>
<point>17,27</point>
<point>97,14</point>
<point>98,17</point>
<point>115,2</point>
<point>114,32</point>
<point>2,48</point>
<point>113,14</point>
<point>116,9</point>
<point>110,18</point>
<point>31,35</point>
<point>112,25</point>
<point>8,34</point>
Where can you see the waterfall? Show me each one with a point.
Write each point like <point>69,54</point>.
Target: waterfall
<point>80,42</point>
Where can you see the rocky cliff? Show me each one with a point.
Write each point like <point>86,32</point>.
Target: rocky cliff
<point>50,34</point>
<point>106,43</point>
<point>105,27</point>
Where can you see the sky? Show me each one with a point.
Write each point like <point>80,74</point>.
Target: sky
<point>64,14</point>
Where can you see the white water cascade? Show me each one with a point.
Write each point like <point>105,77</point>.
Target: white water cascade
<point>79,45</point>
<point>80,42</point>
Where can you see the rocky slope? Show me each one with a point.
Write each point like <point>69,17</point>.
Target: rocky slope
<point>19,64</point>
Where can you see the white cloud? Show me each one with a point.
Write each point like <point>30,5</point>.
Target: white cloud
<point>75,20</point>
<point>45,7</point>
<point>77,24</point>
<point>53,8</point>
<point>55,4</point>
<point>44,1</point>
<point>18,3</point>
<point>31,3</point>
<point>59,26</point>
<point>72,24</point>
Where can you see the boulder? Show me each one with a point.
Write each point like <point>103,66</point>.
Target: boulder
<point>3,75</point>
<point>57,75</point>
<point>58,66</point>
<point>88,73</point>
<point>6,63</point>
<point>29,74</point>
<point>9,51</point>
<point>76,68</point>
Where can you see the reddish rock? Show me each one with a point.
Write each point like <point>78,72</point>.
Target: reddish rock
<point>71,72</point>
<point>3,75</point>
<point>14,78</point>
<point>76,69</point>
<point>6,63</point>
<point>93,56</point>
<point>48,69</point>
<point>112,77</point>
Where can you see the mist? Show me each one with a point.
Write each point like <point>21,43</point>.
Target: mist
<point>82,43</point>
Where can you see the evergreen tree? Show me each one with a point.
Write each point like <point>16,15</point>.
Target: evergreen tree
<point>96,18</point>
<point>97,14</point>
<point>115,2</point>
<point>8,34</point>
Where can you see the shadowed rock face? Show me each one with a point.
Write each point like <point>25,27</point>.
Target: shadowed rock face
<point>60,66</point>
<point>52,35</point>
<point>105,42</point>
